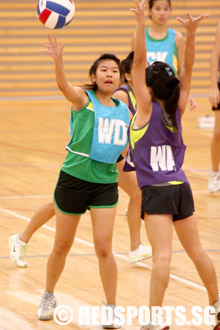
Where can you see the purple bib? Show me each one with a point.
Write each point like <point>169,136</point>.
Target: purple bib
<point>158,155</point>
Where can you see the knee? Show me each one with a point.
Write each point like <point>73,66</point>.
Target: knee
<point>136,195</point>
<point>51,209</point>
<point>196,254</point>
<point>162,258</point>
<point>61,249</point>
<point>103,250</point>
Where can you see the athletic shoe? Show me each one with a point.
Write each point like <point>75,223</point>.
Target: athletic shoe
<point>206,121</point>
<point>142,252</point>
<point>114,324</point>
<point>17,251</point>
<point>47,304</point>
<point>155,327</point>
<point>214,182</point>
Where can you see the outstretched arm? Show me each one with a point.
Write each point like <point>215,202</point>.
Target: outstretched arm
<point>180,53</point>
<point>190,25</point>
<point>142,93</point>
<point>214,68</point>
<point>75,95</point>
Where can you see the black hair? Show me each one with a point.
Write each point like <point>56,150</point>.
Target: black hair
<point>161,78</point>
<point>92,71</point>
<point>126,64</point>
<point>151,3</point>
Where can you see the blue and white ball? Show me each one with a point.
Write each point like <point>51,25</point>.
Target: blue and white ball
<point>55,14</point>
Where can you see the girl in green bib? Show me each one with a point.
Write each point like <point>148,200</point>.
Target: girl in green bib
<point>88,177</point>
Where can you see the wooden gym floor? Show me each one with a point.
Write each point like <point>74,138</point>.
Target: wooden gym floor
<point>32,139</point>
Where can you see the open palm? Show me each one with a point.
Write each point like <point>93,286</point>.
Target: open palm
<point>192,23</point>
<point>53,48</point>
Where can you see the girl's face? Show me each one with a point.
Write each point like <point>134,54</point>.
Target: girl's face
<point>160,12</point>
<point>107,76</point>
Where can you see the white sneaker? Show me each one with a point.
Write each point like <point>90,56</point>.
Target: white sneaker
<point>47,304</point>
<point>214,182</point>
<point>142,252</point>
<point>17,251</point>
<point>206,121</point>
<point>114,324</point>
<point>155,327</point>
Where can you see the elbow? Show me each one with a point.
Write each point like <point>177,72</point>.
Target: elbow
<point>63,87</point>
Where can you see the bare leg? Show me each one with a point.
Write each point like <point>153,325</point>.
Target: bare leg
<point>128,182</point>
<point>215,144</point>
<point>159,230</point>
<point>66,226</point>
<point>103,222</point>
<point>188,228</point>
<point>40,217</point>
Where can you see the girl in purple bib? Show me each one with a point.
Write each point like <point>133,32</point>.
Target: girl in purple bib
<point>158,153</point>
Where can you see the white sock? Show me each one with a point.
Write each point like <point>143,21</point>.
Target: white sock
<point>19,241</point>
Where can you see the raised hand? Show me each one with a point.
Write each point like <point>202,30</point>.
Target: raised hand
<point>191,23</point>
<point>53,48</point>
<point>139,10</point>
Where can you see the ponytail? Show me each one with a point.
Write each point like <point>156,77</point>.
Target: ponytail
<point>161,78</point>
<point>170,104</point>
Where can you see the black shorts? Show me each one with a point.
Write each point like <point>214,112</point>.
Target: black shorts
<point>120,158</point>
<point>218,106</point>
<point>172,199</point>
<point>75,196</point>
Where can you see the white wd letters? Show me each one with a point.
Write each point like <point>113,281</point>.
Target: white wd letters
<point>119,124</point>
<point>107,127</point>
<point>161,158</point>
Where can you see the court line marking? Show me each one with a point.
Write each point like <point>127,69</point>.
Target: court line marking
<point>172,276</point>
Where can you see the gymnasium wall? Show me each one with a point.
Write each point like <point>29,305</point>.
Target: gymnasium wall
<point>99,26</point>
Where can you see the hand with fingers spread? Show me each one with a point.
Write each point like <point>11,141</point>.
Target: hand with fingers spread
<point>139,10</point>
<point>53,48</point>
<point>192,23</point>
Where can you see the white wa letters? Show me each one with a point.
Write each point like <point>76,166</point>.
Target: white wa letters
<point>161,158</point>
<point>107,127</point>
